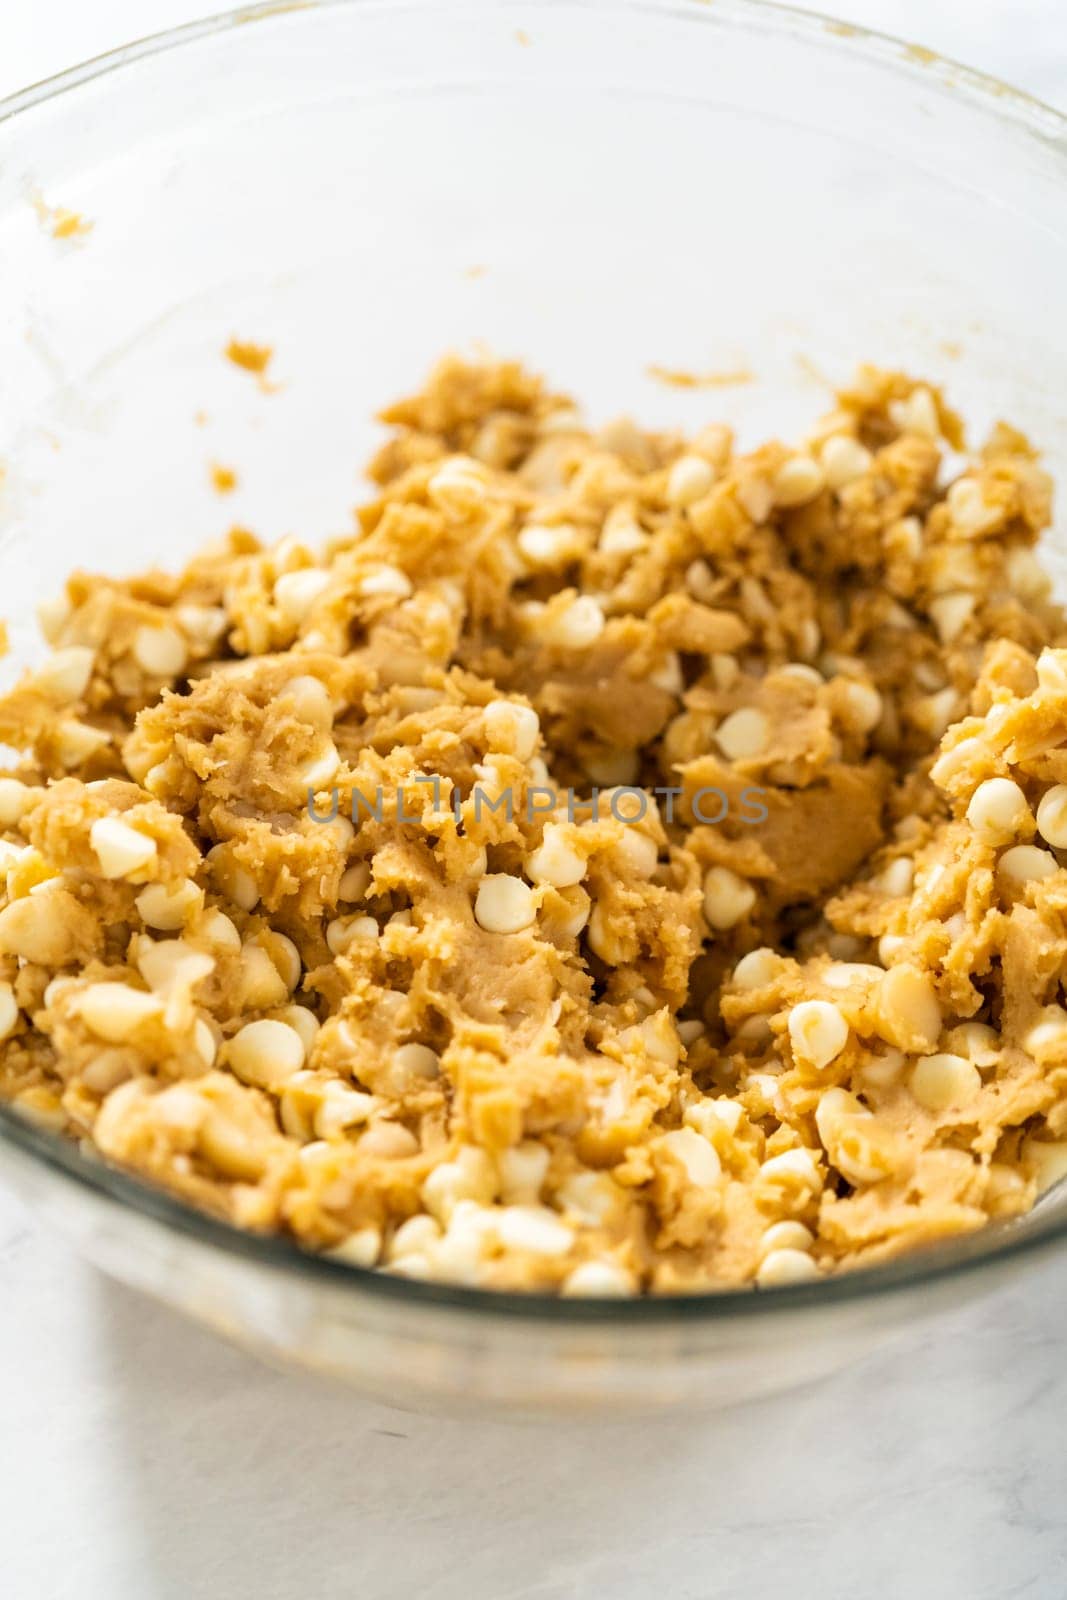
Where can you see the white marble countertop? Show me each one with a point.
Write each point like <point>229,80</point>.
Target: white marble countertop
<point>143,1460</point>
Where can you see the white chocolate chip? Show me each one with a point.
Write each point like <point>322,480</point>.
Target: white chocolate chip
<point>785,1266</point>
<point>555,861</point>
<point>939,1082</point>
<point>727,898</point>
<point>818,1031</point>
<point>743,735</point>
<point>604,1279</point>
<point>295,593</point>
<point>388,581</point>
<point>504,904</point>
<point>1052,816</point>
<point>265,1053</point>
<point>160,650</point>
<point>65,675</point>
<point>797,482</point>
<point>115,1012</point>
<point>998,811</point>
<point>689,480</point>
<point>512,728</point>
<point>844,460</point>
<point>1026,863</point>
<point>120,849</point>
<point>576,627</point>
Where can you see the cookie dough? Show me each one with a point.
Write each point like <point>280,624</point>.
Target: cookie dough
<point>622,864</point>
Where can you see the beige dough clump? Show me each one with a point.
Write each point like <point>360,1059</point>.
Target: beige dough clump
<point>622,864</point>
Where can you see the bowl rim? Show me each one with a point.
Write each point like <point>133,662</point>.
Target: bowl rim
<point>920,1268</point>
<point>923,65</point>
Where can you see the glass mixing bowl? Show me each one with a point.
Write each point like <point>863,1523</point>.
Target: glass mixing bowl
<point>597,187</point>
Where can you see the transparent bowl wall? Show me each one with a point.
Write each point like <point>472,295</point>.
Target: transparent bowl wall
<point>596,188</point>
